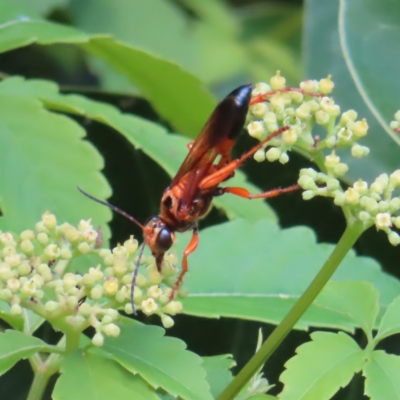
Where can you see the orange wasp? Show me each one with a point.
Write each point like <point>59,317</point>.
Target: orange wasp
<point>188,198</point>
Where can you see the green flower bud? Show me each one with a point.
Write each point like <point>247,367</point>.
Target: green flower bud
<point>260,88</point>
<point>271,128</point>
<point>331,142</point>
<point>273,154</point>
<point>103,253</point>
<point>284,158</point>
<point>131,245</point>
<point>8,251</point>
<point>345,135</point>
<point>24,268</point>
<point>90,235</point>
<point>49,220</point>
<point>331,160</point>
<point>326,85</point>
<point>309,172</point>
<point>173,308</point>
<point>98,339</point>
<point>27,235</point>
<point>96,293</point>
<point>394,179</point>
<point>332,184</point>
<point>289,137</point>
<point>28,288</point>
<point>256,129</point>
<point>259,156</point>
<point>111,330</point>
<point>13,284</point>
<point>303,112</point>
<point>167,321</point>
<point>397,116</point>
<point>297,97</point>
<point>110,286</point>
<point>84,225</point>
<point>360,128</point>
<point>307,183</point>
<point>128,308</point>
<point>259,110</point>
<point>52,251</point>
<point>85,309</point>
<point>348,116</point>
<point>6,294</point>
<point>16,309</point>
<point>371,205</point>
<point>308,195</point>
<point>358,151</point>
<point>352,196</point>
<point>394,205</point>
<point>322,118</point>
<point>51,306</point>
<point>13,259</point>
<point>5,271</point>
<point>364,216</point>
<point>310,85</point>
<point>141,280</point>
<point>84,247</point>
<point>394,125</point>
<point>70,232</point>
<point>6,238</point>
<point>396,222</point>
<point>377,187</point>
<point>340,199</point>
<point>383,206</point>
<point>42,238</point>
<point>394,238</point>
<point>269,118</point>
<point>361,186</point>
<point>27,247</point>
<point>154,291</point>
<point>277,82</point>
<point>340,169</point>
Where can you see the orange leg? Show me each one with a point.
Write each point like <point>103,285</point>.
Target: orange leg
<point>263,97</point>
<point>225,172</point>
<point>190,248</point>
<point>241,192</point>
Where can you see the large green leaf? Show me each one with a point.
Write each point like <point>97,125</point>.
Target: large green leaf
<point>344,297</point>
<point>322,56</point>
<point>92,377</point>
<point>15,346</point>
<point>167,150</point>
<point>175,93</point>
<point>382,373</point>
<point>321,367</point>
<point>257,272</point>
<point>42,7</point>
<point>368,28</point>
<point>42,159</point>
<point>218,372</point>
<point>162,361</point>
<point>390,323</point>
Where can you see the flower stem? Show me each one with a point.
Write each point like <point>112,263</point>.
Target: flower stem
<point>38,385</point>
<point>346,242</point>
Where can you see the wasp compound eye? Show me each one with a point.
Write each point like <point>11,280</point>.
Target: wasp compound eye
<point>164,240</point>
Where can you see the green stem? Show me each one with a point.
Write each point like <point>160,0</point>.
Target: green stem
<point>345,243</point>
<point>72,341</point>
<point>38,385</point>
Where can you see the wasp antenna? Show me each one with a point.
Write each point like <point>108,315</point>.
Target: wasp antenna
<point>135,274</point>
<point>116,209</point>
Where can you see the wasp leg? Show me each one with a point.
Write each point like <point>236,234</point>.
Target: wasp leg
<point>190,248</point>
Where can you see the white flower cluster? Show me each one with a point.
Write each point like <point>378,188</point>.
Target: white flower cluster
<point>300,109</point>
<point>34,274</point>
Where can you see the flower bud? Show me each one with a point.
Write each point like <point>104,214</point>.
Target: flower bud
<point>6,237</point>
<point>348,116</point>
<point>173,308</point>
<point>297,97</point>
<point>307,183</point>
<point>8,251</point>
<point>371,205</point>
<point>13,284</point>
<point>256,129</point>
<point>269,118</point>
<point>24,268</point>
<point>51,306</point>
<point>394,179</point>
<point>394,205</point>
<point>13,259</point>
<point>85,309</point>
<point>326,85</point>
<point>154,291</point>
<point>383,206</point>
<point>49,220</point>
<point>377,187</point>
<point>154,276</point>
<point>394,238</point>
<point>322,118</point>
<point>284,158</point>
<point>396,222</point>
<point>70,232</point>
<point>52,251</point>
<point>358,151</point>
<point>27,247</point>
<point>131,245</point>
<point>167,321</point>
<point>303,112</point>
<point>332,184</point>
<point>345,135</point>
<point>360,128</point>
<point>331,160</point>
<point>42,238</point>
<point>98,339</point>
<point>310,85</point>
<point>289,137</point>
<point>90,235</point>
<point>364,216</point>
<point>308,195</point>
<point>277,82</point>
<point>128,308</point>
<point>28,288</point>
<point>84,247</point>
<point>259,110</point>
<point>273,154</point>
<point>110,286</point>
<point>27,235</point>
<point>259,156</point>
<point>352,196</point>
<point>111,330</point>
<point>361,186</point>
<point>96,293</point>
<point>340,169</point>
<point>260,88</point>
<point>16,309</point>
<point>331,142</point>
<point>340,199</point>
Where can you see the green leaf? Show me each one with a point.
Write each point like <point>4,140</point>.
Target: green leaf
<point>178,96</point>
<point>162,361</point>
<point>322,56</point>
<point>321,367</point>
<point>344,297</point>
<point>390,323</point>
<point>42,7</point>
<point>366,29</point>
<point>48,159</point>
<point>15,321</point>
<point>258,271</point>
<point>32,321</point>
<point>218,372</point>
<point>15,346</point>
<point>382,373</point>
<point>167,150</point>
<point>91,377</point>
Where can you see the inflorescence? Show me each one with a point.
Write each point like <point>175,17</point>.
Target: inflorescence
<point>301,109</point>
<point>36,274</point>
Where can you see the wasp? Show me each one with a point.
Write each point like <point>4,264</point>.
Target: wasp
<point>209,163</point>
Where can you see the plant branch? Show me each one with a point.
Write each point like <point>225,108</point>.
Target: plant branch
<point>346,242</point>
<point>38,385</point>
